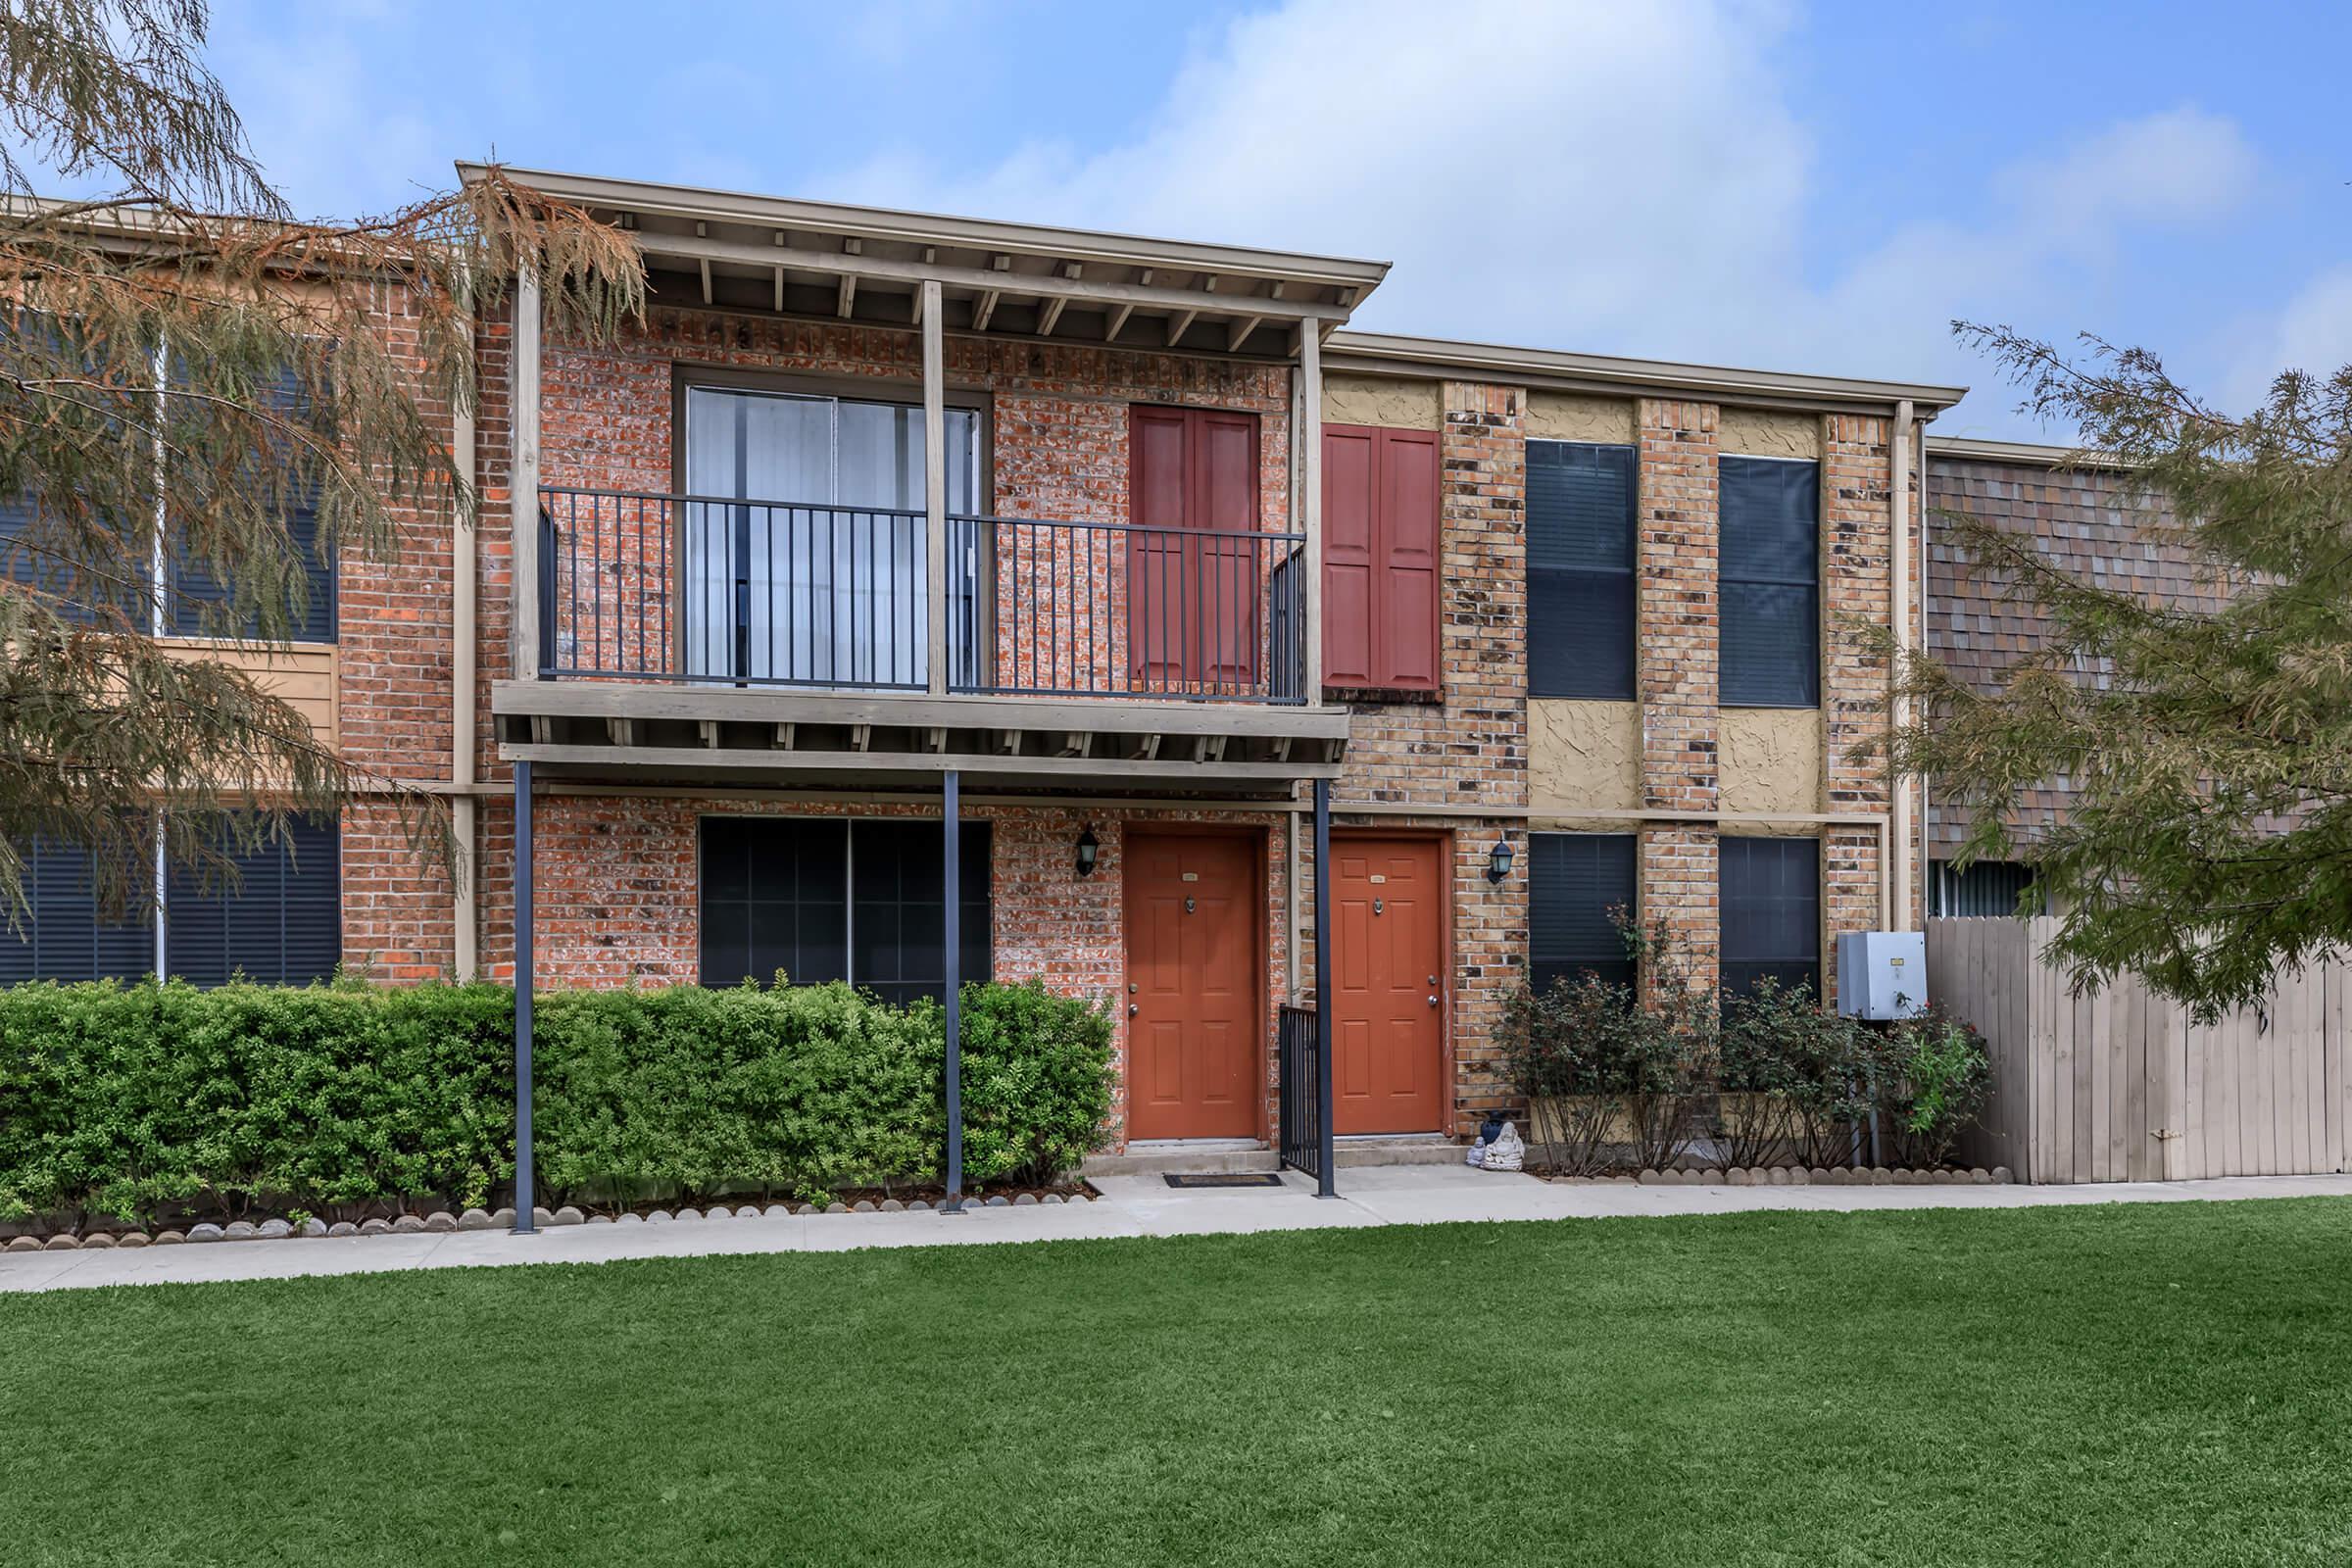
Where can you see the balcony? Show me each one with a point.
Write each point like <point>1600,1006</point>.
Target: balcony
<point>696,636</point>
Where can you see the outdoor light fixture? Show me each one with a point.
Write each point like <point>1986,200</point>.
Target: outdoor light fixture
<point>1498,860</point>
<point>1086,849</point>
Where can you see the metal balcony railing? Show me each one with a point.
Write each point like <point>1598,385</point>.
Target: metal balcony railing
<point>642,586</point>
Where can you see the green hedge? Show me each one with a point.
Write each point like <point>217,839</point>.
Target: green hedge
<point>133,1100</point>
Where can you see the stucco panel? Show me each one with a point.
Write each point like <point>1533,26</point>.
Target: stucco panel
<point>1769,434</point>
<point>1583,756</point>
<point>1771,759</point>
<point>1567,417</point>
<point>1379,400</point>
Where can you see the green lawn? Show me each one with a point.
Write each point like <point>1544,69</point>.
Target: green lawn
<point>2146,1385</point>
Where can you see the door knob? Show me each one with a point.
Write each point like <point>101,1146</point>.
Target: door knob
<point>1433,998</point>
<point>1133,1008</point>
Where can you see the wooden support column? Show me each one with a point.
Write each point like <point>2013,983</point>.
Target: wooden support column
<point>523,479</point>
<point>1310,459</point>
<point>1899,555</point>
<point>935,488</point>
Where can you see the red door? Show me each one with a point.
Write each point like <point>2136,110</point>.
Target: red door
<point>1388,1005</point>
<point>1380,557</point>
<point>1195,1060</point>
<point>1191,595</point>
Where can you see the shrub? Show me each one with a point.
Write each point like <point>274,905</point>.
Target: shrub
<point>1932,1075</point>
<point>1794,1076</point>
<point>132,1101</point>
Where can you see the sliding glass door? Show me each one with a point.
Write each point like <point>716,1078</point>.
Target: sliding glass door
<point>805,541</point>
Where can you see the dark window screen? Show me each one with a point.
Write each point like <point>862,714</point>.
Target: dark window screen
<point>1771,912</point>
<point>1576,880</point>
<point>1579,570</point>
<point>282,924</point>
<point>61,937</point>
<point>311,611</point>
<point>836,899</point>
<point>775,898</point>
<point>1770,580</point>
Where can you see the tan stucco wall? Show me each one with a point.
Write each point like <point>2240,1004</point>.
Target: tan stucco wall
<point>1770,760</point>
<point>303,674</point>
<point>1768,433</point>
<point>1583,756</point>
<point>1568,416</point>
<point>1378,400</point>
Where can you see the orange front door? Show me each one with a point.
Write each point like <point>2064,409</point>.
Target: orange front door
<point>1388,1010</point>
<point>1194,950</point>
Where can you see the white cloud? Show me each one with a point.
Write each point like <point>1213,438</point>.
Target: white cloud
<point>2312,332</point>
<point>1586,175</point>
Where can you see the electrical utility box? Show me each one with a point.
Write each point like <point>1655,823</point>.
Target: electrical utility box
<point>1882,974</point>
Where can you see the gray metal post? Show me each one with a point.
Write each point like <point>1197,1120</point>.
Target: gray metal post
<point>952,936</point>
<point>524,953</point>
<point>1324,1186</point>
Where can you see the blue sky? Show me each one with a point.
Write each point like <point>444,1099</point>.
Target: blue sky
<point>1816,187</point>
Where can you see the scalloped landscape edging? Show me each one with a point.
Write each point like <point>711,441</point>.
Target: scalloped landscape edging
<point>442,1222</point>
<point>1800,1176</point>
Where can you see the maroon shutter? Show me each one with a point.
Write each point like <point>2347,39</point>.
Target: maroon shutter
<point>1157,478</point>
<point>1350,468</point>
<point>1380,557</point>
<point>1406,586</point>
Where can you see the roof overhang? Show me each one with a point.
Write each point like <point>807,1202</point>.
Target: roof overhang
<point>1552,369</point>
<point>868,265</point>
<point>2027,453</point>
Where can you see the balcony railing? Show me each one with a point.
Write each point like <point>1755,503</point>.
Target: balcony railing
<point>642,586</point>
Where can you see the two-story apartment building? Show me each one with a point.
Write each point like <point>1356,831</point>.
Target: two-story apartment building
<point>1131,561</point>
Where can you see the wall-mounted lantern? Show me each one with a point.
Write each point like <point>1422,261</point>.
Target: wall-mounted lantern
<point>1087,848</point>
<point>1498,860</point>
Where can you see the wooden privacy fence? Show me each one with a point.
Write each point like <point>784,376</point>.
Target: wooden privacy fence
<point>2120,1085</point>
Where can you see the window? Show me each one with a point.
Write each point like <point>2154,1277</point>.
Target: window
<point>1771,901</point>
<point>832,899</point>
<point>1986,888</point>
<point>1380,557</point>
<point>282,924</point>
<point>1579,570</point>
<point>1769,582</point>
<point>189,584</point>
<point>1576,884</point>
<point>824,581</point>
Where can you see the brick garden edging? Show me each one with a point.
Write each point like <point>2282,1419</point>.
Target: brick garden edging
<point>442,1222</point>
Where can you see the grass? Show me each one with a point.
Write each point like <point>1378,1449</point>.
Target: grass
<point>2147,1383</point>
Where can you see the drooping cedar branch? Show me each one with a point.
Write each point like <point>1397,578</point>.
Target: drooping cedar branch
<point>2207,745</point>
<point>186,369</point>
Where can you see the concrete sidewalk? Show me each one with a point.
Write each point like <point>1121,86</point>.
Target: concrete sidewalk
<point>1130,1205</point>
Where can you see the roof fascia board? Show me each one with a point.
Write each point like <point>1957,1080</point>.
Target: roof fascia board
<point>1379,353</point>
<point>924,228</point>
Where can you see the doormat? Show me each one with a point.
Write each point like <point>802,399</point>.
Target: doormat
<point>1261,1179</point>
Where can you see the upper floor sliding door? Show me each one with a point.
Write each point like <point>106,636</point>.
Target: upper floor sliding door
<point>804,543</point>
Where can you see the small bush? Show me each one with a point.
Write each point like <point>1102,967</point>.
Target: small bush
<point>135,1100</point>
<point>1932,1075</point>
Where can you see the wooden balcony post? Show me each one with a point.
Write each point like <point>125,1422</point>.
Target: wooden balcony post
<point>523,479</point>
<point>935,487</point>
<point>1310,500</point>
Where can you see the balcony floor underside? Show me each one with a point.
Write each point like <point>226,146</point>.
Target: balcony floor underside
<point>735,737</point>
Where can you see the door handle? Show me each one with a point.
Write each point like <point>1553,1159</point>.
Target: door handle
<point>1433,998</point>
<point>1134,1008</point>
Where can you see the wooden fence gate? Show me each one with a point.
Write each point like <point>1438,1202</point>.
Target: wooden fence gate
<point>2120,1085</point>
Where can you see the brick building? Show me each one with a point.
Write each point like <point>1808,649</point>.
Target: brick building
<point>1138,548</point>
